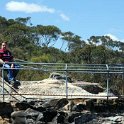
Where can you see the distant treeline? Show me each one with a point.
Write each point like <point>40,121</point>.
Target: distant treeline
<point>37,44</point>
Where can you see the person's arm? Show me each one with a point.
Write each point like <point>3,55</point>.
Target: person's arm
<point>1,61</point>
<point>12,65</point>
<point>1,56</point>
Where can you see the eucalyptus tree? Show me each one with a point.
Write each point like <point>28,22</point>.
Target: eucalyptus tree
<point>73,41</point>
<point>67,37</point>
<point>74,44</point>
<point>76,50</point>
<point>105,49</point>
<point>94,40</point>
<point>47,35</point>
<point>16,33</point>
<point>24,21</point>
<point>19,35</point>
<point>86,54</point>
<point>98,55</point>
<point>3,27</point>
<point>121,46</point>
<point>106,41</point>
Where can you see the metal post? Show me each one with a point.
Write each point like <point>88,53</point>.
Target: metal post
<point>3,82</point>
<point>122,84</point>
<point>107,81</point>
<point>66,82</point>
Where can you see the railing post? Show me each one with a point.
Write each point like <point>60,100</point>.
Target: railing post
<point>3,82</point>
<point>107,81</point>
<point>122,92</point>
<point>66,66</point>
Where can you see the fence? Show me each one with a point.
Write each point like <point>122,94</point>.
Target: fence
<point>66,68</point>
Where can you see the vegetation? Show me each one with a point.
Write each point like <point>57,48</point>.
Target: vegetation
<point>36,44</point>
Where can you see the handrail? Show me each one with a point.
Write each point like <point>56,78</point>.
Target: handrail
<point>61,67</point>
<point>64,67</point>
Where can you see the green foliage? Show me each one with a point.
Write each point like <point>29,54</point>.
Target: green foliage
<point>36,44</point>
<point>45,58</point>
<point>47,34</point>
<point>31,75</point>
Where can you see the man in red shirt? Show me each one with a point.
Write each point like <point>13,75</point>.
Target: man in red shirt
<point>6,58</point>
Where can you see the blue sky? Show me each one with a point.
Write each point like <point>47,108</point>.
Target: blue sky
<point>82,17</point>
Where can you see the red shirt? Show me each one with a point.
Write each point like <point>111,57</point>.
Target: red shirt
<point>6,55</point>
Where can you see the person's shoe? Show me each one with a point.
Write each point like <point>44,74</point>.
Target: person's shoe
<point>12,82</point>
<point>17,82</point>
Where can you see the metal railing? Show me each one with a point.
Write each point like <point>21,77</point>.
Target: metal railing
<point>63,67</point>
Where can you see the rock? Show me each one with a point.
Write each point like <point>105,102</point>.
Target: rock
<point>31,113</point>
<point>61,117</point>
<point>39,118</point>
<point>22,105</point>
<point>72,116</point>
<point>18,117</point>
<point>49,115</point>
<point>78,107</point>
<point>5,109</point>
<point>61,103</point>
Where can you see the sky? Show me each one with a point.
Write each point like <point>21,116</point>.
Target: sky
<point>84,18</point>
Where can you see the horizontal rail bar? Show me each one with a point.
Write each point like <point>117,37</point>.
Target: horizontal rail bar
<point>55,95</point>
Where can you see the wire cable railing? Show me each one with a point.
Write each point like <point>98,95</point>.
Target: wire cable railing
<point>62,67</point>
<point>66,67</point>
